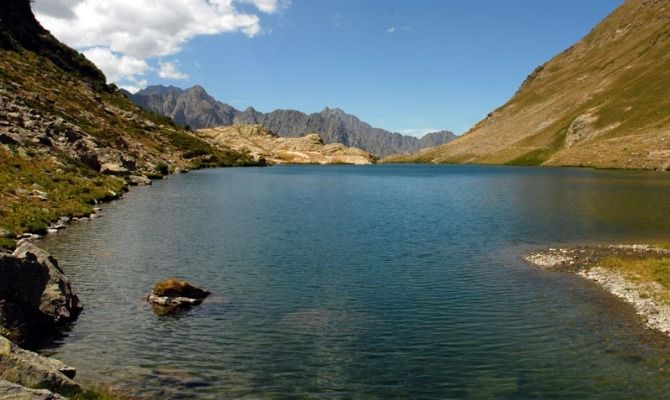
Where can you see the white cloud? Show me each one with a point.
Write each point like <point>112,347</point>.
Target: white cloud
<point>117,67</point>
<point>136,86</point>
<point>268,6</point>
<point>393,29</point>
<point>57,8</point>
<point>135,31</point>
<point>170,70</point>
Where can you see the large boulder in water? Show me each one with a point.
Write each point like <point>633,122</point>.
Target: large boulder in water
<point>33,371</point>
<point>34,293</point>
<point>173,293</point>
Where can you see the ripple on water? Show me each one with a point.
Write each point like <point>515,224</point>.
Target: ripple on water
<point>379,282</point>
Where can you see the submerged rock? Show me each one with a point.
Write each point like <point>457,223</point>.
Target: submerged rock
<point>175,293</point>
<point>34,293</point>
<point>33,371</point>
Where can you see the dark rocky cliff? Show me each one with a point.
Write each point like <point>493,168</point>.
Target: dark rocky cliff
<point>20,30</point>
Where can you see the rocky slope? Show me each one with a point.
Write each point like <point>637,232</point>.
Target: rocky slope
<point>67,139</point>
<point>265,146</point>
<point>197,109</point>
<point>601,103</point>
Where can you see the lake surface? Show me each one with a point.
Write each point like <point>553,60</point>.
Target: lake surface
<point>365,282</point>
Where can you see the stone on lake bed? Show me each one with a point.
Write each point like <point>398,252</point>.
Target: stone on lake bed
<point>173,293</point>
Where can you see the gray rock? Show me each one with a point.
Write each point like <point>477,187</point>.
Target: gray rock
<point>139,180</point>
<point>115,162</point>
<point>58,300</point>
<point>35,295</point>
<point>173,301</point>
<point>172,294</point>
<point>12,391</point>
<point>33,371</point>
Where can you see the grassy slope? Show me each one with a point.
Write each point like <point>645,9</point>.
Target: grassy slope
<point>618,74</point>
<point>71,186</point>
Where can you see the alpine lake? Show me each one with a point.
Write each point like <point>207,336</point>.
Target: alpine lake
<point>363,282</point>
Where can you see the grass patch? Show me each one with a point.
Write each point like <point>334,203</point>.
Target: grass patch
<point>652,269</point>
<point>36,191</point>
<point>532,158</point>
<point>7,243</point>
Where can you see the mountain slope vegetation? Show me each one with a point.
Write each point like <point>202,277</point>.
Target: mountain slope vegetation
<point>604,102</point>
<point>67,139</point>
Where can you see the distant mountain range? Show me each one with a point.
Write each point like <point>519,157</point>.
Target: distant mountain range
<point>194,107</point>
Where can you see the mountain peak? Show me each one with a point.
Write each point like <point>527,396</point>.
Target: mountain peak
<point>197,89</point>
<point>333,111</point>
<point>158,90</point>
<point>194,107</point>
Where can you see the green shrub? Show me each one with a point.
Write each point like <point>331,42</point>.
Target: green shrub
<point>162,168</point>
<point>7,243</point>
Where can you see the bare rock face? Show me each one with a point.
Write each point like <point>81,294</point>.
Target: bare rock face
<point>34,293</point>
<point>33,371</point>
<point>13,391</point>
<point>263,144</point>
<point>172,293</point>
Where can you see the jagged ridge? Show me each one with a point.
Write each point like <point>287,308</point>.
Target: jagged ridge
<point>196,108</point>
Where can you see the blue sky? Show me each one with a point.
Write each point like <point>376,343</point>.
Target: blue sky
<point>406,66</point>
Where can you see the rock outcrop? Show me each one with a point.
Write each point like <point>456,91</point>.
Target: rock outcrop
<point>11,391</point>
<point>33,371</point>
<point>172,293</point>
<point>263,144</point>
<point>35,295</point>
<point>195,108</point>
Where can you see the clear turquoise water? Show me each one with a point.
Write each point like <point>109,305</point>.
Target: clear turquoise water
<point>365,282</point>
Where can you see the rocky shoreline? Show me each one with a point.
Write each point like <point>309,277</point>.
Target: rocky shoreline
<point>35,299</point>
<point>649,297</point>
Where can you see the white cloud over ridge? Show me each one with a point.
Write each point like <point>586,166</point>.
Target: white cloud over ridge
<point>170,70</point>
<point>117,67</point>
<point>121,36</point>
